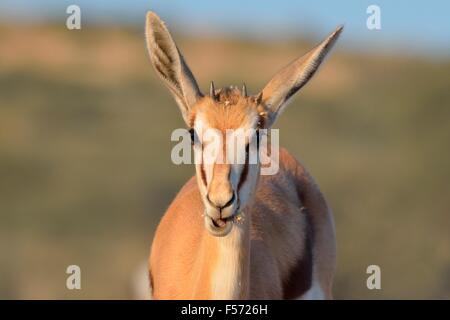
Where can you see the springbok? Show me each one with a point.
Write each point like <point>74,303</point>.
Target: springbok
<point>284,247</point>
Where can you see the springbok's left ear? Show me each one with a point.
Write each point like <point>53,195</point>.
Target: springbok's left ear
<point>294,76</point>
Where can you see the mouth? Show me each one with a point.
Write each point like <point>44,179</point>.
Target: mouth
<point>219,227</point>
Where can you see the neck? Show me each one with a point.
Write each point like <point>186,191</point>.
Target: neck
<point>229,273</point>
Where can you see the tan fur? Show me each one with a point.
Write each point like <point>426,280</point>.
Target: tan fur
<point>281,241</point>
<point>183,250</point>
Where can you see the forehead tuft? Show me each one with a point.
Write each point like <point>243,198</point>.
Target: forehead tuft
<point>229,96</point>
<point>229,110</point>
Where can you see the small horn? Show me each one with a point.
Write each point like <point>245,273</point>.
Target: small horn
<point>258,98</point>
<point>244,90</point>
<point>212,90</point>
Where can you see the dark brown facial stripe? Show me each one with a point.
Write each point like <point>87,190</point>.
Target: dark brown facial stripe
<point>203,174</point>
<point>202,168</point>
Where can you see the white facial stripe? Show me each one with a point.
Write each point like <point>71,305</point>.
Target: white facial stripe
<point>209,171</point>
<point>201,126</point>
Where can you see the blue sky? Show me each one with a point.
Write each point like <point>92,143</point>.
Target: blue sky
<point>411,26</point>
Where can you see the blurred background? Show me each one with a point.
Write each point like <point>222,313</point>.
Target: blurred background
<point>85,169</point>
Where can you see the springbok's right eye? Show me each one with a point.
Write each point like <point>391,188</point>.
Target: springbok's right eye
<point>192,133</point>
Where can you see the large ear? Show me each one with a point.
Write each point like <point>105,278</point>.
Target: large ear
<point>170,65</point>
<point>294,76</point>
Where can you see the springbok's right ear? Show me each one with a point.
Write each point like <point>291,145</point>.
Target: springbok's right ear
<point>170,65</point>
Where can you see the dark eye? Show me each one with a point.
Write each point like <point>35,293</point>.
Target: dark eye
<point>247,146</point>
<point>192,133</point>
<point>257,139</point>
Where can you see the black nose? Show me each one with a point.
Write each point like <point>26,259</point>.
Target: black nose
<point>221,207</point>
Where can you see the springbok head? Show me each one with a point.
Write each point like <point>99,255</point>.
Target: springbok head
<point>226,187</point>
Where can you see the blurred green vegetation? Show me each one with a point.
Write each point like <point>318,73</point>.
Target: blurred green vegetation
<point>85,170</point>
